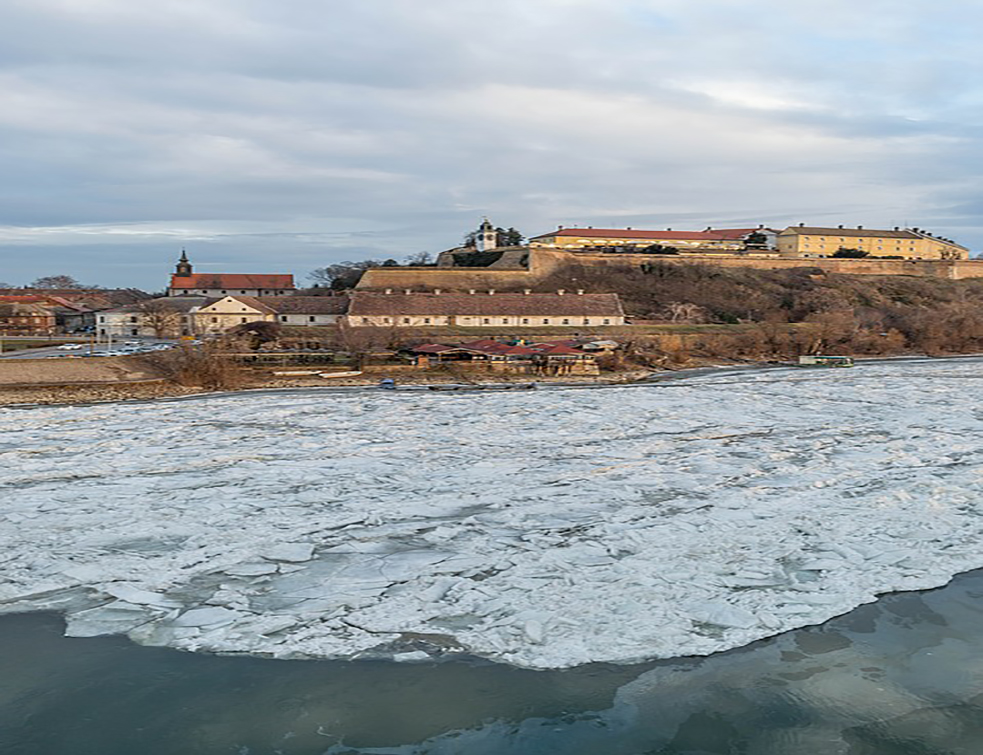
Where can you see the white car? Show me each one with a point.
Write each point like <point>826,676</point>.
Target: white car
<point>71,346</point>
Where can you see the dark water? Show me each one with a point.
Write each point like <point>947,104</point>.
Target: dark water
<point>903,676</point>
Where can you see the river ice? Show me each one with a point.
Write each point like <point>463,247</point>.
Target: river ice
<point>545,529</point>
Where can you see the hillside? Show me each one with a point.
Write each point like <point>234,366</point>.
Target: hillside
<point>861,314</point>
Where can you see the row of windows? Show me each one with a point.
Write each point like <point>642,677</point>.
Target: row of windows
<point>487,321</point>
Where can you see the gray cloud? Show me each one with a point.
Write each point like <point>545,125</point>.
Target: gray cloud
<point>286,135</point>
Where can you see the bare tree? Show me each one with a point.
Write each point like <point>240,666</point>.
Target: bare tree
<point>345,275</point>
<point>420,259</point>
<point>56,281</point>
<point>684,311</point>
<point>161,317</point>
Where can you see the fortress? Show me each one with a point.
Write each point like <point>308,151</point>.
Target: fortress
<point>878,252</point>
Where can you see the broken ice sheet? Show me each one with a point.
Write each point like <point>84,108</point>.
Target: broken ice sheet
<point>545,529</point>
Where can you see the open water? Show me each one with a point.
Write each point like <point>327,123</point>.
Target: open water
<point>903,676</point>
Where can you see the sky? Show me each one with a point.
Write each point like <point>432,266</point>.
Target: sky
<point>280,136</point>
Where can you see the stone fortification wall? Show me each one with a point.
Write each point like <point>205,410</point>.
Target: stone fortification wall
<point>544,261</point>
<point>448,278</point>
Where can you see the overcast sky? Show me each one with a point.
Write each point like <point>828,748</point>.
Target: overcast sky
<point>282,135</point>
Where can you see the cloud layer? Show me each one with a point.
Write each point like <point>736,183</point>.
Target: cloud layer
<point>280,136</point>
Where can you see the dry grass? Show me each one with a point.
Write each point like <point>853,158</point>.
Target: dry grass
<point>207,365</point>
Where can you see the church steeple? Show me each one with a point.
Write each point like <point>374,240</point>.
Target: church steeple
<point>183,268</point>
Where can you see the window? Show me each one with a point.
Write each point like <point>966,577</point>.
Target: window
<point>505,321</point>
<point>525,320</point>
<point>214,319</point>
<point>225,292</point>
<point>133,319</point>
<point>566,321</point>
<point>365,321</point>
<point>102,319</point>
<point>426,320</point>
<point>384,319</point>
<point>487,321</point>
<point>607,321</point>
<point>586,321</point>
<point>311,318</point>
<point>242,292</point>
<point>406,321</point>
<point>243,319</point>
<point>283,318</point>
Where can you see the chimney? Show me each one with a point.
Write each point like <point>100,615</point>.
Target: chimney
<point>802,225</point>
<point>389,290</point>
<point>860,227</point>
<point>668,229</point>
<point>761,225</point>
<point>628,228</point>
<point>580,292</point>
<point>471,291</point>
<point>561,291</point>
<point>491,291</point>
<point>840,225</point>
<point>896,228</point>
<point>436,292</point>
<point>407,290</point>
<point>527,291</point>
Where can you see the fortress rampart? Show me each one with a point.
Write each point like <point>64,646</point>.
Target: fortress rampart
<point>542,262</point>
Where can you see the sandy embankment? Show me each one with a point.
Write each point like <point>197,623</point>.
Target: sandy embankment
<point>50,381</point>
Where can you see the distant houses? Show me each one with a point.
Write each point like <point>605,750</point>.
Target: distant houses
<point>365,309</point>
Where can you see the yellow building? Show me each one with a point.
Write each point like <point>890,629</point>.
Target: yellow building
<point>908,243</point>
<point>729,239</point>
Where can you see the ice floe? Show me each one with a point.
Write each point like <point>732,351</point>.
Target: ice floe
<point>544,529</point>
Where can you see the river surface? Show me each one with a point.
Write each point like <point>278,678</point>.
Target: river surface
<point>902,676</point>
<point>434,575</point>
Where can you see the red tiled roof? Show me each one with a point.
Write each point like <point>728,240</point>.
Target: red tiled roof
<point>721,234</point>
<point>232,280</point>
<point>558,350</point>
<point>307,305</point>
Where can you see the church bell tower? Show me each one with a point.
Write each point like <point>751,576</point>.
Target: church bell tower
<point>183,268</point>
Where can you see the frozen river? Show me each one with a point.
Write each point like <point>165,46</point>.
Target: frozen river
<point>542,530</point>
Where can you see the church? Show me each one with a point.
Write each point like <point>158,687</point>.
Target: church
<point>186,282</point>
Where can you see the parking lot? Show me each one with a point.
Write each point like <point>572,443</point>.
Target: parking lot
<point>80,349</point>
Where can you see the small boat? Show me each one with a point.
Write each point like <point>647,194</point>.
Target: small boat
<point>819,360</point>
<point>350,373</point>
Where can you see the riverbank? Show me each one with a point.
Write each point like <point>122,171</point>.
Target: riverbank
<point>42,391</point>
